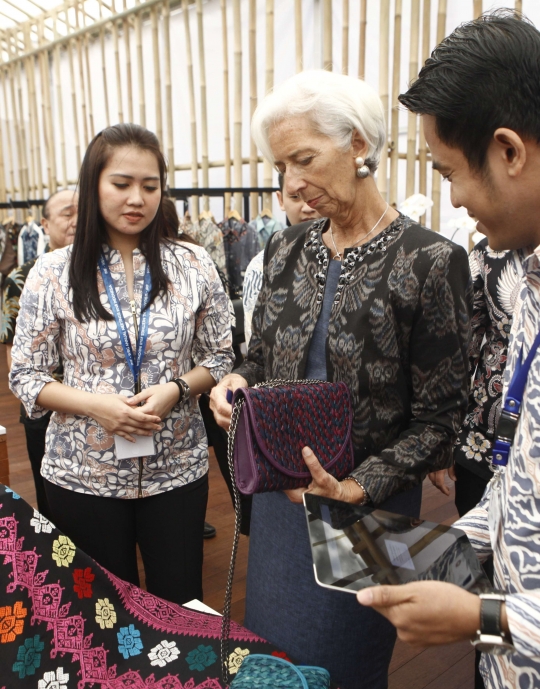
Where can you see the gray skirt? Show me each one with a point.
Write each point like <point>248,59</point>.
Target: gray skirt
<point>314,625</point>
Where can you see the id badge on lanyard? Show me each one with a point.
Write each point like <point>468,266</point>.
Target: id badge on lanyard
<point>143,445</point>
<point>504,438</point>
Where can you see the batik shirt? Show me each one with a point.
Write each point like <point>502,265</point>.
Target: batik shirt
<point>516,548</point>
<point>190,322</point>
<point>496,282</point>
<point>241,244</point>
<point>398,335</point>
<point>252,286</point>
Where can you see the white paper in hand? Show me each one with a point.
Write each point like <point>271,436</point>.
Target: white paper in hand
<point>143,446</point>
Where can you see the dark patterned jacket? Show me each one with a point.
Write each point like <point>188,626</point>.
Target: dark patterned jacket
<point>398,336</point>
<point>497,278</point>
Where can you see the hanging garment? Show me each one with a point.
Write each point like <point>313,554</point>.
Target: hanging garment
<point>241,244</point>
<point>265,228</point>
<point>31,243</point>
<point>209,236</point>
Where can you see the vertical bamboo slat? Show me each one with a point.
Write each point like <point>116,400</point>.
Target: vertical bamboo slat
<point>78,43</point>
<point>3,182</point>
<point>362,42</point>
<point>253,165</point>
<point>34,120</point>
<point>345,39</point>
<point>35,173</point>
<point>226,103</point>
<point>394,130</point>
<point>9,138</point>
<point>384,39</point>
<point>477,8</point>
<point>48,128</point>
<point>74,104</point>
<point>412,125</point>
<point>25,176</point>
<point>519,6</point>
<point>60,107</point>
<point>237,138</point>
<point>157,74</point>
<point>299,38</point>
<point>327,34</point>
<point>140,74</point>
<point>120,106</point>
<point>204,105</point>
<point>422,146</point>
<point>129,78</point>
<point>435,176</point>
<point>14,114</point>
<point>88,78</point>
<point>269,85</point>
<point>192,114</point>
<point>168,89</point>
<point>104,68</point>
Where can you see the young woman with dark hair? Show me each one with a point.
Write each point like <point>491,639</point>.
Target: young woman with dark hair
<point>128,308</point>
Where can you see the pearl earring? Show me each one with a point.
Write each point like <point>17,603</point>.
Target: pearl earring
<point>362,170</point>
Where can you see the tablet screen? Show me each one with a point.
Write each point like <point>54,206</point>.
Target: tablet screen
<point>354,547</point>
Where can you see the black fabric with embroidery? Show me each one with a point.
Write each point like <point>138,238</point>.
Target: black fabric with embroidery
<point>398,336</point>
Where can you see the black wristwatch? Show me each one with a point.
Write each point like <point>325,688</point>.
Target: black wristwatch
<point>183,387</point>
<point>490,638</point>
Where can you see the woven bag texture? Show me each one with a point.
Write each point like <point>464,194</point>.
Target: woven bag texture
<point>269,672</point>
<point>290,417</point>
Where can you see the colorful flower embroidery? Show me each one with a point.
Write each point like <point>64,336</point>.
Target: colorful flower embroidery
<point>83,579</point>
<point>201,657</point>
<point>63,551</point>
<point>54,680</point>
<point>29,657</point>
<point>129,641</point>
<point>40,523</point>
<point>105,614</point>
<point>282,654</point>
<point>11,622</point>
<point>165,652</point>
<point>236,658</point>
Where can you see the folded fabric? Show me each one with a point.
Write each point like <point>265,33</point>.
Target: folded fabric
<point>66,622</point>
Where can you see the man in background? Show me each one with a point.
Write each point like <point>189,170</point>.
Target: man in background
<point>59,219</point>
<point>297,211</point>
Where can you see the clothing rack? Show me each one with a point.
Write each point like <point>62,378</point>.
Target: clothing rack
<point>178,194</point>
<point>184,194</point>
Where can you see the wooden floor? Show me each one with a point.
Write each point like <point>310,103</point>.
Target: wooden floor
<point>448,667</point>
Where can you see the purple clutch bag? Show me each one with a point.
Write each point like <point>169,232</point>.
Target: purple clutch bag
<point>271,424</point>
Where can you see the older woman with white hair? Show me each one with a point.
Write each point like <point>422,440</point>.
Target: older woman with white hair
<point>366,296</point>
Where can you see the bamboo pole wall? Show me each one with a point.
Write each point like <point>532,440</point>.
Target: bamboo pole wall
<point>65,72</point>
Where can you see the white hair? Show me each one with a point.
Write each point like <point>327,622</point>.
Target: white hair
<point>337,105</point>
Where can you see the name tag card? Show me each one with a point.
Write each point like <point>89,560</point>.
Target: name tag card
<point>144,445</point>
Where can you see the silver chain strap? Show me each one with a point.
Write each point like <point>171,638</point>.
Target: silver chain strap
<point>226,619</point>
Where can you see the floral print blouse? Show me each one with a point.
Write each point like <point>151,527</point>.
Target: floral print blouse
<point>188,324</point>
<point>497,278</point>
<point>398,336</point>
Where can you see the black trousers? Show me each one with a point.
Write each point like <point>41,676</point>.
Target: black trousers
<point>35,445</point>
<point>167,527</point>
<point>469,491</point>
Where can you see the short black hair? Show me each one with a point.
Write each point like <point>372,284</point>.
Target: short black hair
<point>485,75</point>
<point>45,211</point>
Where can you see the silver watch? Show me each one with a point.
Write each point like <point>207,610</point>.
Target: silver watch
<point>490,638</point>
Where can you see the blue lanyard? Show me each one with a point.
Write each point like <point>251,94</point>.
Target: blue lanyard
<point>506,428</point>
<point>134,363</point>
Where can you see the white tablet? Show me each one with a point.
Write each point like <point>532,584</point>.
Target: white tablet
<point>354,547</point>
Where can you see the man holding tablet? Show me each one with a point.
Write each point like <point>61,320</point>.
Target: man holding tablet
<point>479,97</point>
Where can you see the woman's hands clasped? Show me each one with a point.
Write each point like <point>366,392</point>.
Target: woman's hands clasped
<point>325,484</point>
<point>118,416</point>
